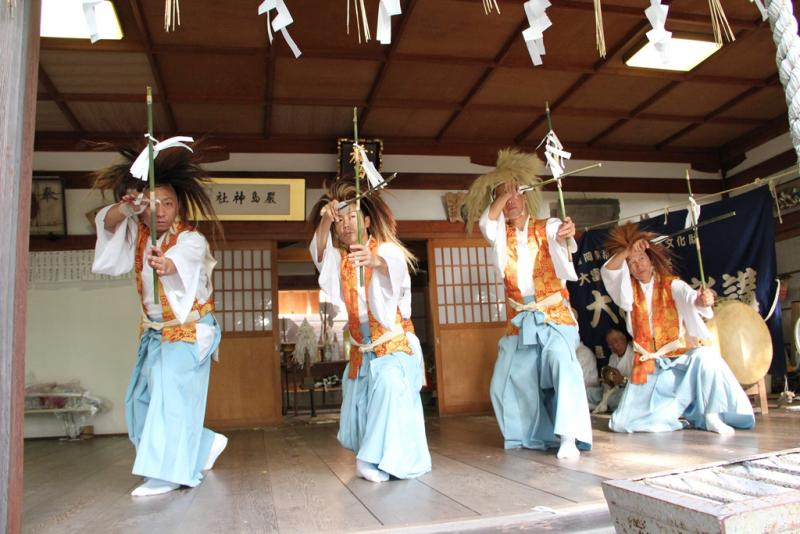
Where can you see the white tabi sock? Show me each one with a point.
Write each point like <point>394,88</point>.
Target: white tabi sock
<point>370,472</point>
<point>219,444</point>
<point>715,424</point>
<point>154,486</point>
<point>568,450</point>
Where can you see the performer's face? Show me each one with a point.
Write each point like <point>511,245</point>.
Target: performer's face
<point>347,225</point>
<point>515,206</point>
<point>640,266</point>
<point>166,209</point>
<point>616,342</point>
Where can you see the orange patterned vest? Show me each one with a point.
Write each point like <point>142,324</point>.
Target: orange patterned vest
<point>666,324</point>
<point>545,281</point>
<point>349,273</point>
<point>183,332</point>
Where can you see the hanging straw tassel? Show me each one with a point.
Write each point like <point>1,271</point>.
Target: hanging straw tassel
<point>719,23</point>
<point>489,6</point>
<point>599,32</point>
<point>172,15</point>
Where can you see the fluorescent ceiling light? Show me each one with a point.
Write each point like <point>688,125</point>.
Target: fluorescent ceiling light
<point>64,18</point>
<point>682,54</point>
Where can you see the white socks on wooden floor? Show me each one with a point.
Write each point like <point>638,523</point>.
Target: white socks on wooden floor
<point>154,486</point>
<point>715,424</point>
<point>370,472</point>
<point>568,450</point>
<point>219,444</point>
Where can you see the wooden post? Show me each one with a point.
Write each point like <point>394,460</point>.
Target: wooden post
<point>19,61</point>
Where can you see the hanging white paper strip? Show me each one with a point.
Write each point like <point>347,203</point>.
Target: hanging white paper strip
<point>141,166</point>
<point>386,10</point>
<point>539,22</point>
<point>660,37</point>
<point>279,23</point>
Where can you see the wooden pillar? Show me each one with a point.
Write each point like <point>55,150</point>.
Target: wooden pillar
<point>19,59</point>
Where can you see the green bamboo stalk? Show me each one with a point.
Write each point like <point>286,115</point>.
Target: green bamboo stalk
<point>696,233</point>
<point>357,168</point>
<point>151,178</point>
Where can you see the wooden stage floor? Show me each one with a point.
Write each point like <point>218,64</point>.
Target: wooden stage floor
<point>298,479</point>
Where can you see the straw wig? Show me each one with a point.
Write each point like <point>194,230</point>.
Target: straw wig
<point>621,238</point>
<point>512,166</point>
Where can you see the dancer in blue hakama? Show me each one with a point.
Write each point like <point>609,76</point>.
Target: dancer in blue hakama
<point>537,388</point>
<point>381,415</point>
<point>671,377</point>
<point>166,398</point>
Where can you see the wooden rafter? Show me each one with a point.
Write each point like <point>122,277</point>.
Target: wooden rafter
<point>147,44</point>
<point>380,78</point>
<point>733,150</point>
<point>622,43</point>
<point>59,100</point>
<point>487,73</point>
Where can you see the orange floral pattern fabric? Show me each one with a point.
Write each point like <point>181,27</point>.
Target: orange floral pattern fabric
<point>349,274</point>
<point>183,332</point>
<point>545,280</point>
<point>666,323</point>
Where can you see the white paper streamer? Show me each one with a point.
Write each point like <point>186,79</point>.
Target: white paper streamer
<point>660,37</point>
<point>539,22</point>
<point>554,154</point>
<point>91,18</point>
<point>282,19</point>
<point>373,176</point>
<point>761,9</point>
<point>692,207</point>
<point>386,10</point>
<point>141,166</point>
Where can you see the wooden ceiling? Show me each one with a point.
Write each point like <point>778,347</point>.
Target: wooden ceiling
<point>453,81</point>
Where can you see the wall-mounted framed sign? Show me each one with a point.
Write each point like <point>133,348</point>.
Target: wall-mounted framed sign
<point>48,206</point>
<point>344,149</point>
<point>259,199</point>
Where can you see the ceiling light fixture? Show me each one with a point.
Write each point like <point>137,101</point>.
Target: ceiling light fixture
<point>683,54</point>
<point>65,19</point>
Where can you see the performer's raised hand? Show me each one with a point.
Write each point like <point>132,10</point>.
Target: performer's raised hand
<point>330,212</point>
<point>566,230</point>
<point>705,298</point>
<point>361,256</point>
<point>503,193</point>
<point>162,265</point>
<point>640,246</point>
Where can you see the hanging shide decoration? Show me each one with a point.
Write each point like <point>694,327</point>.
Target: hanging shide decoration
<point>386,10</point>
<point>719,23</point>
<point>282,19</point>
<point>172,15</point>
<point>599,32</point>
<point>659,36</point>
<point>90,15</point>
<point>360,12</point>
<point>538,22</point>
<point>489,6</point>
<point>761,9</point>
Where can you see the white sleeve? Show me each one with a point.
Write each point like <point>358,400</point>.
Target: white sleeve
<point>114,251</point>
<point>691,314</point>
<point>618,285</point>
<point>385,291</point>
<point>561,254</point>
<point>188,255</point>
<point>329,267</point>
<point>494,233</point>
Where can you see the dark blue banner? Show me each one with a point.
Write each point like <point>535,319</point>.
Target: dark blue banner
<point>738,260</point>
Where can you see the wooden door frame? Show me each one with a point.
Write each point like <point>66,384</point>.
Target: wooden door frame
<point>19,61</point>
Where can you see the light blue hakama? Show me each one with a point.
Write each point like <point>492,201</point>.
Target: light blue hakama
<point>537,388</point>
<point>692,385</point>
<point>381,417</point>
<point>165,406</point>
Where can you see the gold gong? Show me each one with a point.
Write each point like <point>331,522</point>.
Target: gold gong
<point>743,340</point>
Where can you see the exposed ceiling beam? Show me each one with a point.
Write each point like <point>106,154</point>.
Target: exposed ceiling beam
<point>777,163</point>
<point>59,100</point>
<point>141,24</point>
<point>398,104</point>
<point>700,158</point>
<point>380,77</point>
<point>622,43</point>
<point>487,73</point>
<point>734,150</point>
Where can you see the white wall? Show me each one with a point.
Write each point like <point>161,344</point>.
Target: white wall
<point>82,331</point>
<point>788,252</point>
